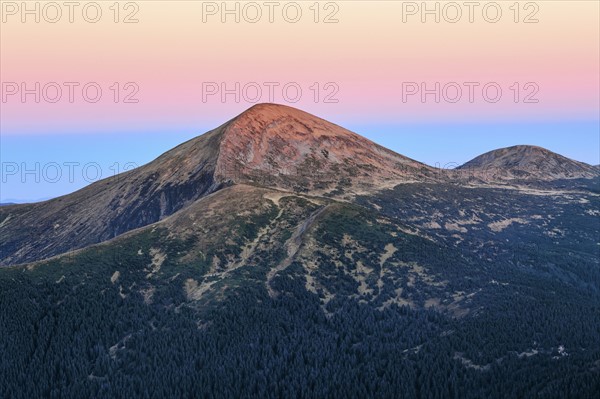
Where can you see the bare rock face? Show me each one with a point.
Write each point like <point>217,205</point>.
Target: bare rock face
<point>527,162</point>
<point>283,147</point>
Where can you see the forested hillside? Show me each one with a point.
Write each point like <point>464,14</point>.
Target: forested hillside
<point>299,296</point>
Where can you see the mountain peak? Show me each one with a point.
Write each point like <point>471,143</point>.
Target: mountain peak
<point>529,162</point>
<point>285,147</point>
<point>271,108</point>
<point>278,119</point>
<point>526,147</point>
<point>265,113</point>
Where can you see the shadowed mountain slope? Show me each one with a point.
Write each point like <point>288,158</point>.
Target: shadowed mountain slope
<point>111,206</point>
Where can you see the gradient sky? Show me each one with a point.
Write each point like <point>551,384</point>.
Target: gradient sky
<point>175,50</point>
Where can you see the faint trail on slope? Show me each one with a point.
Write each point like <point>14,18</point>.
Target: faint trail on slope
<point>247,252</point>
<point>292,245</point>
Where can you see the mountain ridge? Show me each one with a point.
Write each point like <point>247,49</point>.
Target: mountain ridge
<point>528,162</point>
<point>198,167</point>
<point>267,145</point>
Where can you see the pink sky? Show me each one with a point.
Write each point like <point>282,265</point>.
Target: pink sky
<point>171,55</point>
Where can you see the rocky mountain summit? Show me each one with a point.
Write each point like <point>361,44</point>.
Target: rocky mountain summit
<point>528,162</point>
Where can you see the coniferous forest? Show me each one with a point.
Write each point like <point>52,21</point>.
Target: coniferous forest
<point>518,317</point>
